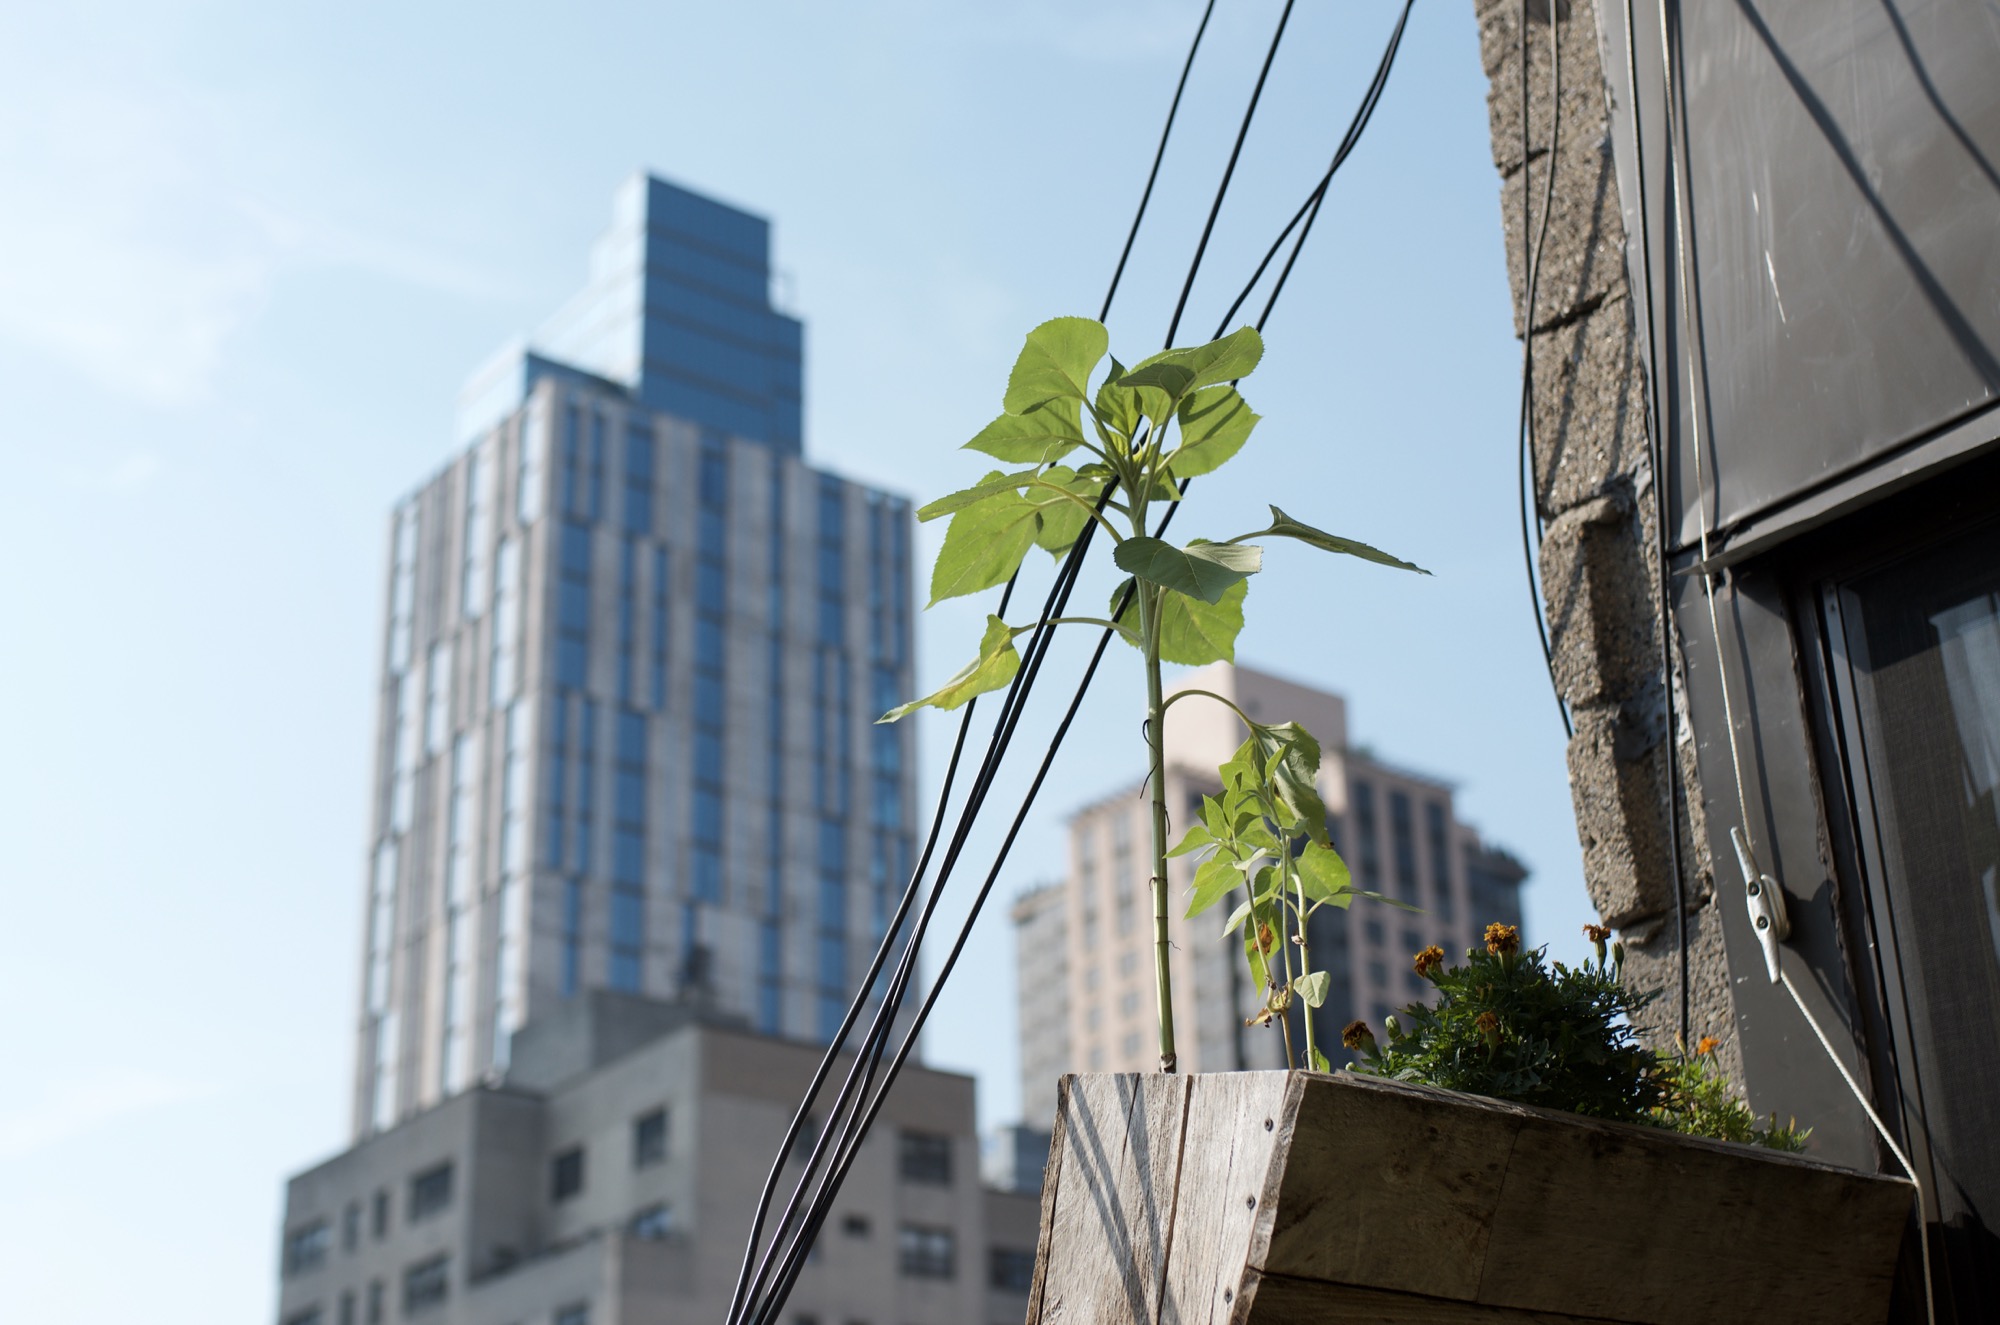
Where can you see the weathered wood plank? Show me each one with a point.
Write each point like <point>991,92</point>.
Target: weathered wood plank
<point>1282,1299</point>
<point>1112,1218</point>
<point>1233,1132</point>
<point>1596,1214</point>
<point>1388,1185</point>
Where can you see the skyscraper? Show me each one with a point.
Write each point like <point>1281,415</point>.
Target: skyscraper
<point>1084,945</point>
<point>633,651</point>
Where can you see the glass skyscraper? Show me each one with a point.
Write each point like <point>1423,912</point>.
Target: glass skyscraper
<point>634,650</point>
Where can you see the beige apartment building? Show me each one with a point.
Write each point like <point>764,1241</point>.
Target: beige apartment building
<point>1083,945</point>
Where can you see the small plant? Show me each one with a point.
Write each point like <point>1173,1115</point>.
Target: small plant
<point>1512,1025</point>
<point>1151,428</point>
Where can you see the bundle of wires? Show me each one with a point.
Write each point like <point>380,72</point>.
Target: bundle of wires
<point>771,1265</point>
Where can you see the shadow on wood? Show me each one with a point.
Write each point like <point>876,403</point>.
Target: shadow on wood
<point>1302,1197</point>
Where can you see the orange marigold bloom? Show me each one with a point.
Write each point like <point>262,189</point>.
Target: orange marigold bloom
<point>1502,939</point>
<point>1708,1044</point>
<point>1430,961</point>
<point>1597,933</point>
<point>1358,1037</point>
<point>1488,1024</point>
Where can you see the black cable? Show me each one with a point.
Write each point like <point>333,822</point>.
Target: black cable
<point>1309,209</point>
<point>892,932</point>
<point>859,1123</point>
<point>1228,172</point>
<point>1526,495</point>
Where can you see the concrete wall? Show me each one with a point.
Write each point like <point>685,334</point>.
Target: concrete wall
<point>1594,498</point>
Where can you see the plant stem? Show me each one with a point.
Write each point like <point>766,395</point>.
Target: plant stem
<point>1156,751</point>
<point>1305,955</point>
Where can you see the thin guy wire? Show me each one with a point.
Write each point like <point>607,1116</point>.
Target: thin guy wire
<point>892,931</point>
<point>1658,437</point>
<point>1674,88</point>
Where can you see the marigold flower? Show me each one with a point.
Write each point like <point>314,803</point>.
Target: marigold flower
<point>1502,939</point>
<point>1429,962</point>
<point>1597,933</point>
<point>1488,1023</point>
<point>1707,1044</point>
<point>1358,1037</point>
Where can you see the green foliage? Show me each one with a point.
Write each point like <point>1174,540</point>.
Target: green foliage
<point>1171,417</point>
<point>1514,1026</point>
<point>1698,1101</point>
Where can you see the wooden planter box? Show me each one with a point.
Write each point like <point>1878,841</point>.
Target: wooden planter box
<point>1303,1197</point>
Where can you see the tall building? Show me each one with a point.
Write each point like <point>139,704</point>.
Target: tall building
<point>634,650</point>
<point>1084,946</point>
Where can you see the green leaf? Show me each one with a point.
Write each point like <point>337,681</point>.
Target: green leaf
<point>1312,987</point>
<point>1291,760</point>
<point>1259,933</point>
<point>1323,876</point>
<point>984,545</point>
<point>1238,916</point>
<point>1319,1061</point>
<point>1055,363</point>
<point>1241,771</point>
<point>1200,570</point>
<point>1212,882</point>
<point>1196,838</point>
<point>1194,632</point>
<point>992,485</point>
<point>995,666</point>
<point>1214,425</point>
<point>1041,436</point>
<point>1117,406</point>
<point>1179,372</point>
<point>1062,520</point>
<point>1284,526</point>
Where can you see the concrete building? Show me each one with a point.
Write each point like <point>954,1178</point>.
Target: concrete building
<point>1083,947</point>
<point>608,1179</point>
<point>626,625</point>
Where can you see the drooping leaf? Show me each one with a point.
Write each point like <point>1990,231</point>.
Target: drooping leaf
<point>984,545</point>
<point>1260,940</point>
<point>1311,987</point>
<point>1238,916</point>
<point>1323,876</point>
<point>1196,837</point>
<point>992,485</point>
<point>1117,407</point>
<point>1215,423</point>
<point>1201,570</point>
<point>1055,363</point>
<point>1320,1064</point>
<point>1212,882</point>
<point>1182,371</point>
<point>1241,771</point>
<point>1062,519</point>
<point>995,666</point>
<point>1194,632</point>
<point>1041,436</point>
<point>1284,526</point>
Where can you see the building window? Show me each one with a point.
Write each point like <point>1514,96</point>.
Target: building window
<point>347,1312</point>
<point>1009,1270</point>
<point>649,1139</point>
<point>576,1313</point>
<point>924,1157</point>
<point>923,1252</point>
<point>310,1316</point>
<point>855,1226</point>
<point>653,1223</point>
<point>379,1225</point>
<point>566,1174</point>
<point>430,1191</point>
<point>375,1302</point>
<point>426,1284</point>
<point>306,1246</point>
<point>350,1226</point>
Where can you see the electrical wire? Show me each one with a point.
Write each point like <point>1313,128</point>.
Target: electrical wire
<point>858,1120</point>
<point>1531,271</point>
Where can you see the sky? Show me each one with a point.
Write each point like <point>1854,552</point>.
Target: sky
<point>249,252</point>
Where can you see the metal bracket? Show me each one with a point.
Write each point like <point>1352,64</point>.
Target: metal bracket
<point>1767,904</point>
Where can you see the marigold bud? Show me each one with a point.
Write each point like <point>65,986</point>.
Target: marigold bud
<point>1429,962</point>
<point>1502,939</point>
<point>1358,1037</point>
<point>1707,1044</point>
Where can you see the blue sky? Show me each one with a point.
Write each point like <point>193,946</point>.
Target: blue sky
<point>249,253</point>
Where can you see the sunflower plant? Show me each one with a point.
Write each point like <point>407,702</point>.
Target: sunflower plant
<point>1093,443</point>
